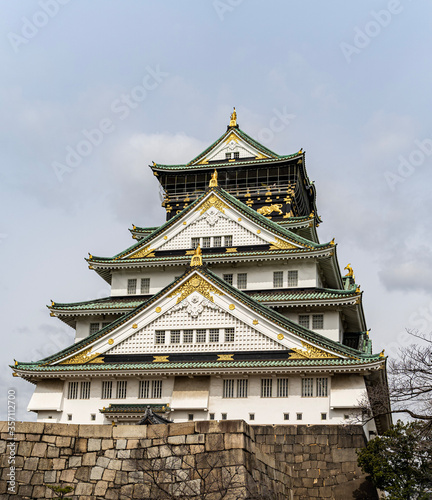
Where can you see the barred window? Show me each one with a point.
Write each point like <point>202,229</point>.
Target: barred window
<point>322,387</point>
<point>228,388</point>
<point>217,241</point>
<point>242,388</point>
<point>317,321</point>
<point>131,286</point>
<point>94,327</point>
<point>299,416</point>
<point>187,336</point>
<point>304,320</point>
<point>228,241</point>
<point>107,389</point>
<point>175,336</point>
<point>307,387</point>
<point>73,390</point>
<point>282,387</point>
<point>286,416</point>
<point>201,336</point>
<point>227,156</point>
<point>144,389</point>
<point>292,278</point>
<point>266,387</point>
<point>160,337</point>
<point>156,389</point>
<point>145,285</point>
<point>228,278</point>
<point>236,155</point>
<point>85,390</point>
<point>229,334</point>
<point>278,279</point>
<point>195,242</point>
<point>121,389</point>
<point>242,281</point>
<point>323,416</point>
<point>206,242</point>
<point>224,416</point>
<point>214,335</point>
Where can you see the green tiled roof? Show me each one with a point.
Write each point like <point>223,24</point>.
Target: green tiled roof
<point>132,408</point>
<point>106,303</point>
<point>149,230</point>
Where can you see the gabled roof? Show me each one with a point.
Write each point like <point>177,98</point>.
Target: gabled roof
<point>82,347</point>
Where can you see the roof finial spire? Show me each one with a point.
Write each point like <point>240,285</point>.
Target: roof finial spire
<point>233,120</point>
<point>196,259</point>
<point>213,180</point>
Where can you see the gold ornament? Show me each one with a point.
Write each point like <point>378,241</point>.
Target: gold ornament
<point>280,336</point>
<point>196,259</point>
<point>80,358</point>
<point>158,309</point>
<point>233,120</point>
<point>350,271</point>
<point>282,245</point>
<point>134,325</point>
<point>225,357</point>
<point>195,284</point>
<point>255,322</point>
<point>160,359</point>
<point>110,341</point>
<point>271,208</point>
<point>212,201</point>
<point>232,307</point>
<point>310,352</point>
<point>213,180</point>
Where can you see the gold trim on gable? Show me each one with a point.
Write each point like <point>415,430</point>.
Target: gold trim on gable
<point>282,245</point>
<point>144,252</point>
<point>212,201</point>
<point>81,358</point>
<point>310,352</point>
<point>195,284</point>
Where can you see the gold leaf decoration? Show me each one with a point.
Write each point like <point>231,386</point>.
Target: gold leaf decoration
<point>282,245</point>
<point>158,309</point>
<point>195,284</point>
<point>144,252</point>
<point>232,307</point>
<point>255,322</point>
<point>310,352</point>
<point>225,357</point>
<point>280,336</point>
<point>212,201</point>
<point>111,341</point>
<point>160,359</point>
<point>81,358</point>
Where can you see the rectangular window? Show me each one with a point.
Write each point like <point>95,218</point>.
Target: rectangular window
<point>190,417</point>
<point>236,155</point>
<point>195,242</point>
<point>69,417</point>
<point>242,281</point>
<point>304,320</point>
<point>94,327</point>
<point>317,321</point>
<point>322,387</point>
<point>217,241</point>
<point>228,241</point>
<point>145,285</point>
<point>227,156</point>
<point>224,416</point>
<point>107,389</point>
<point>121,389</point>
<point>278,279</point>
<point>212,416</point>
<point>144,389</point>
<point>228,388</point>
<point>85,390</point>
<point>292,278</point>
<point>175,336</point>
<point>282,387</point>
<point>93,416</point>
<point>73,390</point>
<point>307,387</point>
<point>228,278</point>
<point>242,388</point>
<point>131,286</point>
<point>156,389</point>
<point>160,337</point>
<point>266,387</point>
<point>251,416</point>
<point>323,416</point>
<point>229,334</point>
<point>214,335</point>
<point>206,242</point>
<point>299,416</point>
<point>187,336</point>
<point>286,416</point>
<point>201,336</point>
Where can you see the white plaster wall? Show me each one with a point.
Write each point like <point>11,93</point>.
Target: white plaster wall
<point>159,279</point>
<point>332,327</point>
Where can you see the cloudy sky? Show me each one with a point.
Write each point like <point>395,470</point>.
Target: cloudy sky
<point>347,81</point>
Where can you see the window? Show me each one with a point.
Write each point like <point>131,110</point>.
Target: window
<point>212,416</point>
<point>131,286</point>
<point>236,155</point>
<point>242,388</point>
<point>195,242</point>
<point>251,416</point>
<point>346,416</point>
<point>242,281</point>
<point>224,416</point>
<point>145,285</point>
<point>266,387</point>
<point>227,156</point>
<point>107,389</point>
<point>94,327</point>
<point>93,416</point>
<point>229,334</point>
<point>160,337</point>
<point>121,389</point>
<point>217,241</point>
<point>214,335</point>
<point>278,279</point>
<point>299,416</point>
<point>206,242</point>
<point>156,389</point>
<point>307,387</point>
<point>190,417</point>
<point>292,278</point>
<point>228,388</point>
<point>317,321</point>
<point>85,390</point>
<point>69,417</point>
<point>304,320</point>
<point>282,388</point>
<point>187,336</point>
<point>73,390</point>
<point>201,336</point>
<point>228,278</point>
<point>323,416</point>
<point>322,387</point>
<point>175,336</point>
<point>286,416</point>
<point>144,389</point>
<point>228,241</point>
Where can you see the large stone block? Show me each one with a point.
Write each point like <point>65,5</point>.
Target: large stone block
<point>130,431</point>
<point>95,431</point>
<point>94,444</point>
<point>214,442</point>
<point>157,431</point>
<point>39,449</point>
<point>83,489</point>
<point>61,429</point>
<point>89,459</point>
<point>100,488</point>
<point>96,473</point>
<point>67,475</point>
<point>29,427</point>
